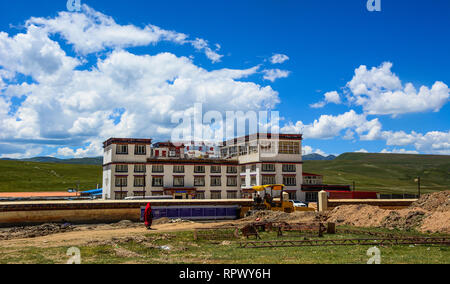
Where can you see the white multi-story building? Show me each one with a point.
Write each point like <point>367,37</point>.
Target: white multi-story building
<point>136,167</point>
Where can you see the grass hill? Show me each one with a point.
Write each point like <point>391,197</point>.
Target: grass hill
<point>391,173</point>
<point>20,176</point>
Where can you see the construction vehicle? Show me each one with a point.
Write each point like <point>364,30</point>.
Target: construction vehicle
<point>265,200</point>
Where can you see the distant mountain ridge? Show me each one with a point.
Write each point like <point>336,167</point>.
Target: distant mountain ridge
<point>79,161</point>
<point>318,157</point>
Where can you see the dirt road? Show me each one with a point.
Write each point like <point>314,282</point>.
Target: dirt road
<point>85,235</point>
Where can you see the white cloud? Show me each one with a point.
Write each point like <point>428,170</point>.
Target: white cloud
<point>123,94</point>
<point>274,74</point>
<point>380,92</point>
<point>310,150</point>
<point>362,151</point>
<point>29,153</point>
<point>278,58</point>
<point>434,142</point>
<point>329,126</point>
<point>329,97</point>
<point>91,31</point>
<point>398,151</point>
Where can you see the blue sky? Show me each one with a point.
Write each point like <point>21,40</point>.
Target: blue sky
<point>325,41</point>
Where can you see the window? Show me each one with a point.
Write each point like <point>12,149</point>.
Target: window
<point>157,181</point>
<point>139,181</point>
<point>253,149</point>
<point>253,181</point>
<point>199,181</point>
<point>178,181</point>
<point>231,181</point>
<point>289,168</point>
<point>122,149</point>
<point>216,181</point>
<point>243,169</point>
<point>311,197</point>
<point>158,168</point>
<point>119,195</point>
<point>289,180</point>
<point>216,169</point>
<point>139,193</point>
<point>139,169</point>
<point>216,195</point>
<point>198,169</point>
<point>178,169</point>
<point>268,167</point>
<point>231,170</point>
<point>268,180</point>
<point>121,182</point>
<point>121,168</point>
<point>242,150</point>
<point>243,181</point>
<point>253,168</point>
<point>289,147</point>
<point>140,150</point>
<point>200,195</point>
<point>231,195</point>
<point>172,153</point>
<point>156,153</point>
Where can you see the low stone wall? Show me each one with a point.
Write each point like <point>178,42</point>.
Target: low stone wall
<point>35,212</point>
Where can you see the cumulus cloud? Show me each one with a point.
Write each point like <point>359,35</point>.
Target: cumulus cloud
<point>91,31</point>
<point>279,58</point>
<point>362,151</point>
<point>329,126</point>
<point>329,97</point>
<point>123,94</point>
<point>274,74</point>
<point>436,142</point>
<point>307,150</point>
<point>380,92</point>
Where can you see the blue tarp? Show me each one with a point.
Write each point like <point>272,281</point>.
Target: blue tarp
<point>93,192</point>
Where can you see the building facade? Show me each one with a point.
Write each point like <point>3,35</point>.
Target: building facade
<point>138,168</point>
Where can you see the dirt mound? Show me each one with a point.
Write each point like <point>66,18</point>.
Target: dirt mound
<point>431,213</point>
<point>437,201</point>
<point>34,231</point>
<point>403,219</point>
<point>358,215</point>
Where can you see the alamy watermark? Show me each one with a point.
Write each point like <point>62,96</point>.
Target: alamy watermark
<point>374,5</point>
<point>74,5</point>
<point>375,255</point>
<point>75,255</point>
<point>213,127</point>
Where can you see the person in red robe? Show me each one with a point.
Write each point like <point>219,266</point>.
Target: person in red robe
<point>148,216</point>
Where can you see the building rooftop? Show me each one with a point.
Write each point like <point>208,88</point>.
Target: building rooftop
<point>126,141</point>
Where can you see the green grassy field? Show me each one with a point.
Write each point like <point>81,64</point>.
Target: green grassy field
<point>390,173</point>
<point>18,176</point>
<point>184,250</point>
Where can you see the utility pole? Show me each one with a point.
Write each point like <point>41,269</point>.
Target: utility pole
<point>418,185</point>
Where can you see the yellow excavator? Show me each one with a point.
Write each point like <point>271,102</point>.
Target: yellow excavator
<point>268,202</point>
